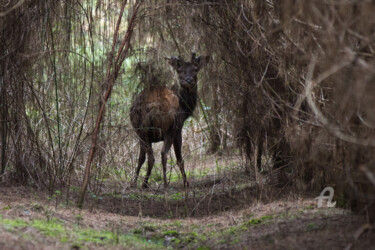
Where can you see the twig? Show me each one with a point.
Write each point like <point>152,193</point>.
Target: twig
<point>2,14</point>
<point>358,234</point>
<point>111,77</point>
<point>310,84</point>
<point>368,173</point>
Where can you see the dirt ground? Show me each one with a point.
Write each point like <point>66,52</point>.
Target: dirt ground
<point>227,218</point>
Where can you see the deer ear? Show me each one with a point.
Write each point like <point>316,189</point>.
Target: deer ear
<point>201,61</point>
<point>174,61</point>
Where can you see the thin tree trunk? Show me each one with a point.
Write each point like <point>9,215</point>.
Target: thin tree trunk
<point>4,112</point>
<point>110,80</point>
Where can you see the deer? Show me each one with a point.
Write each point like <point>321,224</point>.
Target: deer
<point>158,114</point>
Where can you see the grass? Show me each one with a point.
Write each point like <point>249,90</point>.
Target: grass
<point>173,173</point>
<point>173,176</point>
<point>175,234</point>
<point>312,227</point>
<point>260,220</point>
<point>116,231</point>
<point>177,196</point>
<point>181,234</point>
<point>246,225</point>
<point>172,233</point>
<point>78,236</point>
<point>43,224</point>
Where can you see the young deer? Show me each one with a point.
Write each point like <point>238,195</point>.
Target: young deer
<point>158,114</point>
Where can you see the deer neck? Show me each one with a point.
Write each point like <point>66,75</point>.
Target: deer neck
<point>188,100</point>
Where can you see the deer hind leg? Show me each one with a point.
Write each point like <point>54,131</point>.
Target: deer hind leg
<point>177,144</point>
<point>141,160</point>
<point>164,152</point>
<point>150,163</point>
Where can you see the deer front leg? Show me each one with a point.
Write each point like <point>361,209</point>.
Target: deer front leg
<point>141,160</point>
<point>177,144</point>
<point>164,152</point>
<point>150,165</point>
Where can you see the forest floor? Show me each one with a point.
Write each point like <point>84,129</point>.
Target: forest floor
<point>222,211</point>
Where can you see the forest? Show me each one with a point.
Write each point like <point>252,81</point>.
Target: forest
<point>194,124</point>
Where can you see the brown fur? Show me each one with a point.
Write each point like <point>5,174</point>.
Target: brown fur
<point>158,114</point>
<point>154,109</point>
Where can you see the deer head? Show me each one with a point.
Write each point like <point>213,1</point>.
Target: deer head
<point>187,71</point>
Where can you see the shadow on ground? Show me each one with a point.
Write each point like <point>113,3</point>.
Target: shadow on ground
<point>204,197</point>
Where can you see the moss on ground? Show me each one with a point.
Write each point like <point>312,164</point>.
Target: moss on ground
<point>178,234</point>
<point>78,236</point>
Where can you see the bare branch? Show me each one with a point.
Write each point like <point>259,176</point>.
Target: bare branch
<point>310,84</point>
<point>2,14</point>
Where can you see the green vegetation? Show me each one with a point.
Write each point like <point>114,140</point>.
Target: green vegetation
<point>37,207</point>
<point>177,196</point>
<point>78,236</point>
<point>311,227</point>
<point>7,207</point>
<point>73,230</point>
<point>173,233</point>
<point>261,220</point>
<point>310,207</point>
<point>177,234</point>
